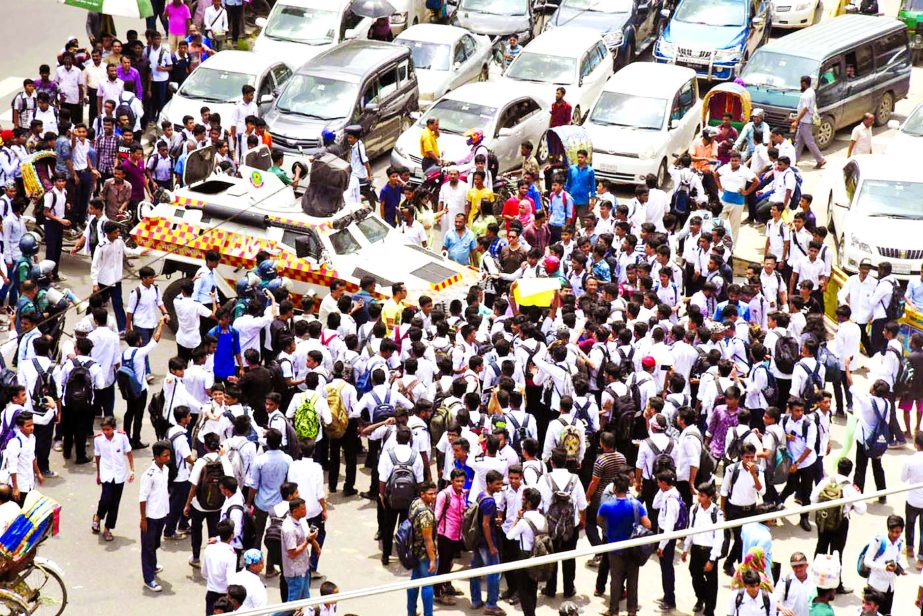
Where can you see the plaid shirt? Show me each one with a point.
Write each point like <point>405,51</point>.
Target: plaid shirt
<point>107,151</point>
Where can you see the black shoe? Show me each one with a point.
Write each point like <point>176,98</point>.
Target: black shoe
<point>843,590</point>
<point>368,496</point>
<point>332,490</point>
<point>698,607</point>
<point>66,453</point>
<point>568,595</point>
<point>350,491</point>
<point>82,461</point>
<point>138,445</point>
<point>729,571</point>
<point>882,500</point>
<point>507,595</point>
<point>385,560</point>
<point>548,593</point>
<point>377,535</point>
<point>805,525</point>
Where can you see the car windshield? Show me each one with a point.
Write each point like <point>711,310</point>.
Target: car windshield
<point>912,5</point>
<point>712,12</point>
<point>496,7</point>
<point>460,116</point>
<point>428,56</point>
<point>891,199</point>
<point>617,109</point>
<point>913,125</point>
<point>599,6</point>
<point>777,71</point>
<point>214,86</point>
<point>318,97</point>
<point>543,68</point>
<point>303,25</point>
<point>344,243</point>
<point>373,229</point>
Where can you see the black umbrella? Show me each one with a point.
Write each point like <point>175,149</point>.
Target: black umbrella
<point>372,8</point>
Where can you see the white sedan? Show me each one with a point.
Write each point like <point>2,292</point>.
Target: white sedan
<point>505,114</point>
<point>217,83</point>
<point>445,57</point>
<point>793,13</point>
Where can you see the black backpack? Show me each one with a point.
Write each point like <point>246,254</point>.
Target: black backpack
<point>813,386</point>
<point>895,308</point>
<point>401,487</point>
<point>626,363</point>
<point>248,537</point>
<point>737,441</point>
<point>383,409</point>
<point>663,461</point>
<point>519,433</point>
<point>601,372</point>
<point>785,353</point>
<point>79,388</point>
<point>208,490</point>
<point>124,108</point>
<point>173,466</point>
<point>44,384</point>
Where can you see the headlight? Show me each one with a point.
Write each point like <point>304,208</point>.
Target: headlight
<point>727,55</point>
<point>399,19</point>
<point>614,39</point>
<point>665,47</point>
<point>856,243</point>
<point>399,150</point>
<point>647,152</point>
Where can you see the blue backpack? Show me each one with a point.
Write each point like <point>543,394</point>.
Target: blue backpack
<point>383,408</point>
<point>861,568</point>
<point>8,431</point>
<point>876,444</point>
<point>128,380</point>
<point>403,545</point>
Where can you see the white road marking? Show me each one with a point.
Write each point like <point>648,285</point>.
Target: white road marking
<point>10,85</point>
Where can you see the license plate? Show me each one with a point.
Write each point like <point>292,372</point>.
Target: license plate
<point>901,268</point>
<point>602,166</point>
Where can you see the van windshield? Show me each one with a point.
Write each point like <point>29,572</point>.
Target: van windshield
<point>318,97</point>
<point>618,109</point>
<point>891,199</point>
<point>777,71</point>
<point>713,12</point>
<point>303,25</point>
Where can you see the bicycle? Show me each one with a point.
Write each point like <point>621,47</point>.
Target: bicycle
<point>31,584</point>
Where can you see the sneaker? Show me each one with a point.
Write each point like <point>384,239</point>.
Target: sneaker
<point>153,586</point>
<point>158,569</point>
<point>350,491</point>
<point>805,525</point>
<point>49,474</point>
<point>58,446</point>
<point>195,562</point>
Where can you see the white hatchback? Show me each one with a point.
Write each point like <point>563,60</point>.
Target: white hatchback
<point>576,59</point>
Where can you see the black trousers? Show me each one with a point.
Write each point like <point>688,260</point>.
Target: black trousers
<point>134,417</point>
<point>735,513</point>
<point>210,597</point>
<point>150,541</point>
<point>43,437</point>
<point>179,491</point>
<point>76,426</point>
<point>667,574</point>
<point>104,401</point>
<point>446,551</point>
<point>913,516</point>
<point>800,484</point>
<point>648,492</point>
<point>527,590</point>
<point>864,338</point>
<point>235,19</point>
<point>862,462</point>
<point>196,518</point>
<point>108,507</point>
<point>685,492</point>
<point>510,552</point>
<point>704,583</point>
<point>54,238</point>
<point>623,570</point>
<point>390,519</point>
<point>878,339</point>
<point>568,567</point>
<point>834,541</point>
<point>349,444</point>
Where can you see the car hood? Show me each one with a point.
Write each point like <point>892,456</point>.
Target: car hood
<point>601,22</point>
<point>902,234</point>
<point>291,52</point>
<point>905,144</point>
<point>298,127</point>
<point>491,25</point>
<point>180,106</point>
<point>702,36</point>
<point>432,83</point>
<point>622,139</point>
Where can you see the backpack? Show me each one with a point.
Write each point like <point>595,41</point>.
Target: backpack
<point>626,417</point>
<point>560,514</point>
<point>208,490</point>
<point>155,410</point>
<point>307,419</point>
<point>682,517</point>
<point>541,546</point>
<point>679,201</point>
<point>292,446</point>
<point>796,193</point>
<point>439,421</point>
<point>812,388</point>
<point>733,450</point>
<point>663,461</point>
<point>895,308</point>
<point>601,371</point>
<point>569,438</point>
<point>236,460</point>
<point>771,390</point>
<point>493,164</point>
<point>785,353</point>
<point>778,468</point>
<point>583,414</point>
<point>635,392</point>
<point>707,462</point>
<point>403,544</point>
<point>550,387</point>
<point>124,108</point>
<point>739,599</point>
<point>248,537</point>
<point>401,488</point>
<point>337,427</point>
<point>626,362</point>
<point>383,408</point>
<point>44,383</point>
<point>640,553</point>
<point>861,568</point>
<point>876,444</point>
<point>905,372</point>
<point>472,531</point>
<point>127,379</point>
<point>829,520</point>
<point>519,433</point>
<point>79,388</point>
<point>279,384</point>
<point>173,466</point>
<point>8,430</point>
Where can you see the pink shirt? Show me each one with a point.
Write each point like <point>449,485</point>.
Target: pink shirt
<point>449,514</point>
<point>176,18</point>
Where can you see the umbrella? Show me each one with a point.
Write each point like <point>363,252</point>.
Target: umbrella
<point>372,8</point>
<point>120,8</point>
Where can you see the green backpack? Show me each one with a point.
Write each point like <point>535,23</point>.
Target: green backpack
<point>307,421</point>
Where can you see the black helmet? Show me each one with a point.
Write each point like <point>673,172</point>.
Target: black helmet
<point>28,244</point>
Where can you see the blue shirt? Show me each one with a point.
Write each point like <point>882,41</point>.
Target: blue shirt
<point>535,196</point>
<point>743,310</point>
<point>488,508</point>
<point>496,246</point>
<point>267,475</point>
<point>562,208</point>
<point>581,183</point>
<point>227,349</point>
<point>915,292</point>
<point>459,248</point>
<point>204,285</point>
<point>619,515</point>
<point>62,151</point>
<point>602,271</point>
<point>756,535</point>
<point>390,197</point>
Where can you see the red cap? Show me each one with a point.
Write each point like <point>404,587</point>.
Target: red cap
<point>648,361</point>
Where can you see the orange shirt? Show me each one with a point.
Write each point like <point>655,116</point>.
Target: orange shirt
<point>699,149</point>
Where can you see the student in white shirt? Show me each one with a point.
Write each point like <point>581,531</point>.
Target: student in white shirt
<point>136,355</point>
<point>249,578</point>
<point>835,540</point>
<point>176,524</point>
<point>154,503</point>
<point>559,479</point>
<point>751,600</point>
<point>667,502</point>
<point>871,407</point>
<point>527,522</point>
<point>19,459</point>
<point>219,563</point>
<point>115,465</point>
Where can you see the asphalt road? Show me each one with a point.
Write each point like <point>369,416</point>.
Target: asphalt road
<point>105,578</point>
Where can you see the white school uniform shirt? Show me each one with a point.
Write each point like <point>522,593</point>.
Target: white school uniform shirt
<point>309,476</point>
<point>256,590</point>
<point>912,472</point>
<point>702,518</point>
<point>646,456</point>
<point>778,233</point>
<point>144,304</point>
<point>810,270</point>
<point>154,492</point>
<point>240,113</point>
<point>859,293</point>
<point>865,411</point>
<point>181,450</point>
<point>188,313</point>
<point>521,531</point>
<point>750,606</point>
<point>802,372</point>
<point>106,352</point>
<point>250,327</point>
<point>402,453</point>
<point>113,456</point>
<point>667,504</point>
<point>688,450</point>
<point>798,249</point>
<point>846,344</point>
<point>219,562</point>
<point>69,82</point>
<point>745,493</point>
<point>18,457</point>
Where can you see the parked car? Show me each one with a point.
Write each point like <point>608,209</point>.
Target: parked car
<point>714,37</point>
<point>301,29</point>
<point>445,57</point>
<point>506,115</point>
<point>575,58</point>
<point>859,63</point>
<point>216,83</point>
<point>909,137</point>
<point>646,115</point>
<point>358,82</point>
<point>627,26</point>
<point>793,13</point>
<point>911,14</point>
<point>876,213</point>
<point>497,18</point>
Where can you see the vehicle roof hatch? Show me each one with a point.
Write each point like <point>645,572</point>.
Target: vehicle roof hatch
<point>200,164</point>
<point>259,158</point>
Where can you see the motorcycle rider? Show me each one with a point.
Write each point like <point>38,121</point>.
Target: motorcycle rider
<point>475,139</point>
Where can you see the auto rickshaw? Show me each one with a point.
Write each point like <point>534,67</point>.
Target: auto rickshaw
<point>558,149</point>
<point>724,98</point>
<point>911,13</point>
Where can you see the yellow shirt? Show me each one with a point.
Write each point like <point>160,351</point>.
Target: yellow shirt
<point>391,311</point>
<point>475,196</point>
<point>428,143</point>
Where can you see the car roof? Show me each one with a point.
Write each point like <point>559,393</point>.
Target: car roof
<point>829,37</point>
<point>649,79</point>
<point>240,61</point>
<point>356,57</point>
<point>432,33</point>
<point>491,93</point>
<point>567,41</point>
<point>877,167</point>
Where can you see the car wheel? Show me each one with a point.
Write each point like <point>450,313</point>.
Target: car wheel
<point>169,296</point>
<point>885,109</point>
<point>484,75</point>
<point>576,118</point>
<point>662,175</point>
<point>541,153</point>
<point>825,132</point>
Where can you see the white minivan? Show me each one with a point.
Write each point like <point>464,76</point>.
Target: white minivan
<point>647,114</point>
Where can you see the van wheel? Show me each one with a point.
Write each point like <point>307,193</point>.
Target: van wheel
<point>576,118</point>
<point>824,133</point>
<point>169,296</point>
<point>885,109</point>
<point>662,174</point>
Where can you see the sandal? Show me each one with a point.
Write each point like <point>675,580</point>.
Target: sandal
<point>107,535</point>
<point>95,525</point>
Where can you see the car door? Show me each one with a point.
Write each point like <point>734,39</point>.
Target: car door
<point>831,87</point>
<point>509,123</point>
<point>459,64</point>
<point>599,75</point>
<point>843,192</point>
<point>473,62</point>
<point>684,117</point>
<point>280,76</point>
<point>861,78</point>
<point>368,114</point>
<point>534,124</point>
<point>391,104</point>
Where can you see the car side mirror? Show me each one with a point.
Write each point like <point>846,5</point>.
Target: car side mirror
<point>415,116</point>
<point>456,66</point>
<point>580,82</point>
<point>173,86</point>
<point>758,21</point>
<point>351,34</point>
<point>671,125</point>
<point>894,124</point>
<point>665,13</point>
<point>505,132</point>
<point>260,22</point>
<point>372,108</point>
<point>266,99</point>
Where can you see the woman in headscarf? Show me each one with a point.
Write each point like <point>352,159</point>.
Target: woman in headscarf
<point>755,560</point>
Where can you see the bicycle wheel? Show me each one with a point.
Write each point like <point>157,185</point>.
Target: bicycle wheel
<point>12,604</point>
<point>49,594</point>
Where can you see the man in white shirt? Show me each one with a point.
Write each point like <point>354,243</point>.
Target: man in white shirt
<point>412,229</point>
<point>743,484</point>
<point>71,85</point>
<point>251,324</point>
<point>857,294</point>
<point>803,123</point>
<point>77,395</point>
<point>189,313</point>
<point>199,509</point>
<point>107,269</point>
<point>860,140</point>
<point>154,502</point>
<point>144,304</point>
<point>160,61</point>
<point>19,459</point>
<point>401,456</point>
<point>880,302</point>
<point>562,480</point>
<point>107,353</point>
<point>218,564</point>
<point>452,198</point>
<point>736,181</point>
<point>114,466</point>
<point>249,578</point>
<point>834,540</point>
<point>244,108</point>
<point>176,524</point>
<point>309,477</point>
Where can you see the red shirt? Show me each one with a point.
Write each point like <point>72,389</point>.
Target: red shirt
<point>561,114</point>
<point>511,208</point>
